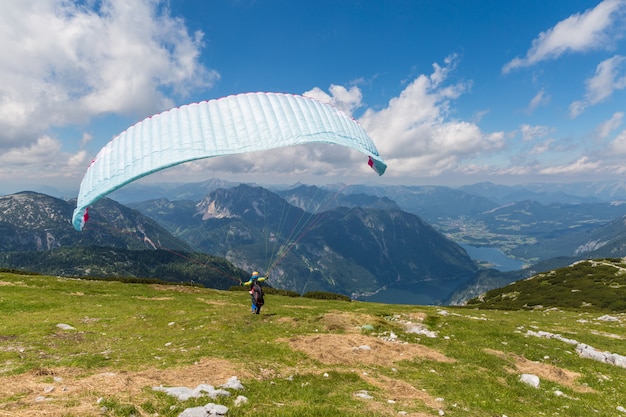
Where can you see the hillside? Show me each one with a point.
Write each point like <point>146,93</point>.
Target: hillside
<point>90,348</point>
<point>585,285</point>
<point>34,221</point>
<point>36,235</point>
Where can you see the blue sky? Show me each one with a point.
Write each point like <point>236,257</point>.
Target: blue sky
<point>452,92</point>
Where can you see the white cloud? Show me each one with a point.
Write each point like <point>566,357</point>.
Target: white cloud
<point>541,148</point>
<point>415,133</point>
<point>606,128</point>
<point>32,154</point>
<point>593,29</point>
<point>581,166</point>
<point>609,76</point>
<point>540,99</point>
<point>530,133</point>
<point>346,100</point>
<point>71,61</point>
<point>618,146</point>
<point>41,159</point>
<point>87,137</point>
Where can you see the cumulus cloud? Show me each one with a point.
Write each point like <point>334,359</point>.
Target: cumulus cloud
<point>416,133</point>
<point>346,100</point>
<point>41,159</point>
<point>71,61</point>
<point>610,76</point>
<point>594,29</point>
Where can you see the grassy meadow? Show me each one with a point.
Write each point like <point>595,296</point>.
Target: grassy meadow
<point>299,357</point>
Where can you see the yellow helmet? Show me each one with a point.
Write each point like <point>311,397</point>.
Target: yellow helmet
<point>255,274</point>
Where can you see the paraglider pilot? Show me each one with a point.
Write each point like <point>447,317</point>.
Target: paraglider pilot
<point>256,292</point>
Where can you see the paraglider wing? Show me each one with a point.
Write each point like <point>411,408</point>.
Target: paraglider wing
<point>230,125</point>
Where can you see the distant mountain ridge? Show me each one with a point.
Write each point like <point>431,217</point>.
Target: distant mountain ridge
<point>349,250</point>
<point>36,234</point>
<point>358,240</point>
<point>34,221</point>
<point>357,251</point>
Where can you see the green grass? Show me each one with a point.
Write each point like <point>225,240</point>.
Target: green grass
<point>139,332</point>
<point>592,285</point>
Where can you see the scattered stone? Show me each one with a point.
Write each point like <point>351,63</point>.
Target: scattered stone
<point>392,337</point>
<point>233,383</point>
<point>240,400</point>
<point>529,379</point>
<point>216,409</point>
<point>583,350</point>
<point>208,410</point>
<point>363,394</point>
<point>606,317</point>
<point>420,329</point>
<point>184,393</point>
<point>586,351</point>
<point>194,412</point>
<point>64,326</point>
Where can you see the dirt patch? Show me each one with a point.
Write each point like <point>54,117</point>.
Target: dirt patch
<point>12,284</point>
<point>543,370</point>
<point>354,349</point>
<point>68,391</point>
<point>401,391</point>
<point>287,320</point>
<point>346,322</point>
<point>141,297</point>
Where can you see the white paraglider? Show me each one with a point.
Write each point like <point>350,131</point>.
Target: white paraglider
<point>226,126</point>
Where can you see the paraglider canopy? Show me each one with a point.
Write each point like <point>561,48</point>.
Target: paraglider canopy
<point>226,126</point>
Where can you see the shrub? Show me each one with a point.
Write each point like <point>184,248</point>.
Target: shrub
<point>321,295</point>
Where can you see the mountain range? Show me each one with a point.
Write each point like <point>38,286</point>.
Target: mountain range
<point>358,251</point>
<point>394,243</point>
